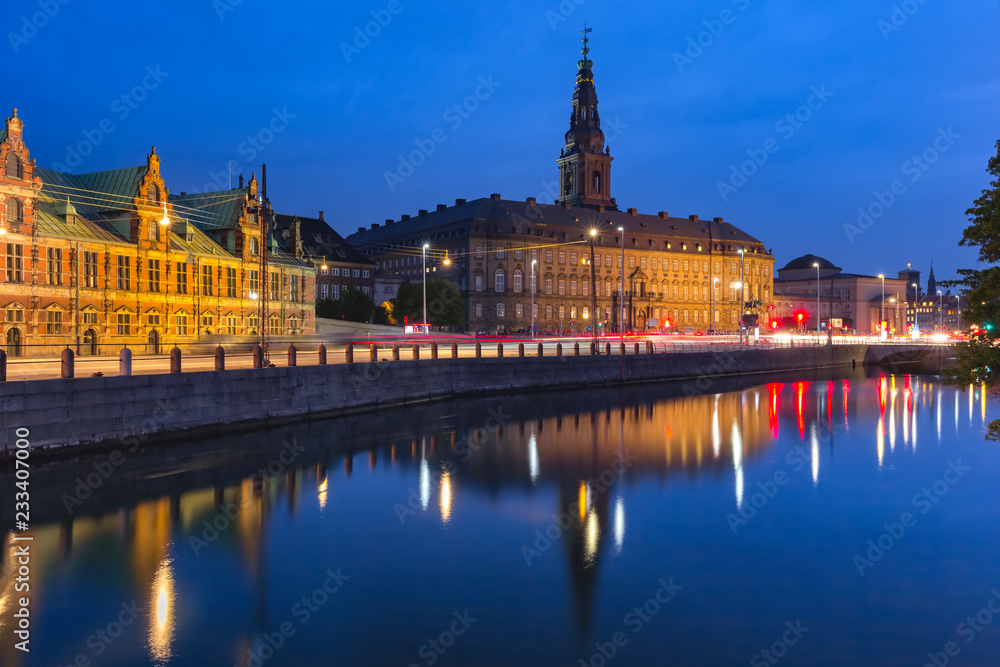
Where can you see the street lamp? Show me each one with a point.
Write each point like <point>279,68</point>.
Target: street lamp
<point>881,317</point>
<point>593,288</point>
<point>742,295</point>
<point>533,262</point>
<point>424,266</point>
<point>622,295</point>
<point>816,264</point>
<point>715,324</point>
<point>940,311</point>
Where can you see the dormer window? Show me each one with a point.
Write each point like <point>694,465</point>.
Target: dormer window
<point>14,168</point>
<point>154,193</point>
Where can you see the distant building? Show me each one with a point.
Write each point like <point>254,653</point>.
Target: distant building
<point>337,264</point>
<point>515,262</point>
<point>102,260</point>
<point>851,301</point>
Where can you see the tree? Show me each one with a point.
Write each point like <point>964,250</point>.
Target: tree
<point>353,305</point>
<point>979,358</point>
<point>445,305</point>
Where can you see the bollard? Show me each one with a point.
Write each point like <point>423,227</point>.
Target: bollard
<point>637,348</point>
<point>541,350</point>
<point>434,350</point>
<point>416,351</point>
<point>175,360</point>
<point>292,357</point>
<point>607,349</point>
<point>258,356</point>
<point>3,366</point>
<point>395,353</point>
<point>454,350</point>
<point>593,349</point>
<point>622,345</point>
<point>558,349</point>
<point>125,362</point>
<point>499,350</point>
<point>520,349</point>
<point>348,353</point>
<point>321,354</point>
<point>373,351</point>
<point>649,347</point>
<point>67,363</point>
<point>220,358</point>
<point>479,350</point>
<point>576,349</point>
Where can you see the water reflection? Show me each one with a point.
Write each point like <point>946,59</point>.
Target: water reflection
<point>564,460</point>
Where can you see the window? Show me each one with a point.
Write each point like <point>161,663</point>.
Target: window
<point>324,271</point>
<point>620,260</point>
<point>181,325</point>
<point>534,310</point>
<point>562,312</point>
<point>206,280</point>
<point>586,312</point>
<point>572,288</point>
<point>366,290</point>
<point>704,266</point>
<point>715,267</point>
<point>479,310</point>
<point>676,265</point>
<point>365,274</point>
<point>562,257</point>
<point>642,262</point>
<point>207,320</point>
<point>548,312</point>
<point>153,274</point>
<point>479,252</point>
<point>501,310</point>
<point>252,323</point>
<point>54,261</point>
<point>182,278</point>
<point>685,266</point>
<point>479,283</point>
<point>14,168</point>
<point>53,322</point>
<point>597,288</point>
<point>519,310</point>
<point>607,287</point>
<point>500,253</point>
<point>152,231</point>
<point>90,269</point>
<point>324,292</point>
<point>534,254</point>
<point>573,258</point>
<point>534,283</point>
<point>518,253</point>
<point>15,210</point>
<point>293,288</point>
<point>607,261</point>
<point>653,261</point>
<point>230,282</point>
<point>597,260</point>
<point>274,293</point>
<point>562,286</point>
<point>253,246</point>
<point>90,318</point>
<point>154,193</point>
<point>684,292</point>
<point>153,319</point>
<point>334,272</point>
<point>548,256</point>
<point>585,284</point>
<point>500,281</point>
<point>231,325</point>
<point>124,272</point>
<point>548,285</point>
<point>518,281</point>
<point>357,273</point>
<point>631,262</point>
<point>572,312</point>
<point>335,291</point>
<point>124,324</point>
<point>704,293</point>
<point>674,291</point>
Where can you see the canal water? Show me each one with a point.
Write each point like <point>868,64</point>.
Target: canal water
<point>805,520</point>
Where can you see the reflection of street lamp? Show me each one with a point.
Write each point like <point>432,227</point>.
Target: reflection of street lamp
<point>424,268</point>
<point>816,264</point>
<point>533,262</point>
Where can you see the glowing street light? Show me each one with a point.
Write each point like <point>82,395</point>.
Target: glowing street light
<point>424,266</point>
<point>816,264</point>
<point>622,295</point>
<point>882,304</point>
<point>532,287</point>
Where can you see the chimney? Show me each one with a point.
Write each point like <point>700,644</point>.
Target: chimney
<point>295,236</point>
<point>530,201</point>
<point>663,214</point>
<point>459,202</point>
<point>442,207</point>
<point>388,221</point>
<point>361,229</point>
<point>495,196</point>
<point>693,218</point>
<point>718,220</point>
<point>374,225</point>
<point>183,193</point>
<point>405,217</point>
<point>422,211</point>
<point>321,215</point>
<point>567,205</point>
<point>632,212</point>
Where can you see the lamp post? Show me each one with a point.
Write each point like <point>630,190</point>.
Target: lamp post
<point>816,264</point>
<point>940,311</point>
<point>424,271</point>
<point>715,325</point>
<point>881,317</point>
<point>593,288</point>
<point>532,287</point>
<point>742,299</point>
<point>622,295</point>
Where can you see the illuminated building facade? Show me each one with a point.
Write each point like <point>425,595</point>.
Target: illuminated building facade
<point>676,272</point>
<point>103,260</point>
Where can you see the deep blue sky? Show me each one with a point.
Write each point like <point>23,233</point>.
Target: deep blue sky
<point>680,130</point>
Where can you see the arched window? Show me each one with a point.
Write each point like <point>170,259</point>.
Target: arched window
<point>607,287</point>
<point>154,193</point>
<point>153,231</point>
<point>253,246</point>
<point>518,281</point>
<point>479,310</point>
<point>15,210</point>
<point>597,182</point>
<point>548,312</point>
<point>500,281</point>
<point>519,310</point>
<point>568,182</point>
<point>501,310</point>
<point>13,167</point>
<point>572,312</point>
<point>562,312</point>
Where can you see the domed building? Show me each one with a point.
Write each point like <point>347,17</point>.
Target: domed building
<point>848,302</point>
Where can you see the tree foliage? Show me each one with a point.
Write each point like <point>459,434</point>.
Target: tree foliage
<point>445,306</point>
<point>353,305</point>
<point>979,358</point>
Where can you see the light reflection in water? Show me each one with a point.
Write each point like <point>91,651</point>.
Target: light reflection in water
<point>814,436</point>
<point>982,401</point>
<point>323,485</point>
<point>533,458</point>
<point>161,624</point>
<point>592,535</point>
<point>445,496</point>
<point>939,415</point>
<point>619,523</point>
<point>716,434</point>
<point>738,463</point>
<point>880,442</point>
<point>892,417</point>
<point>425,484</point>
<point>581,500</point>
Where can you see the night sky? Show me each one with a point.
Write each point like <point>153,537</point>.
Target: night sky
<point>686,89</point>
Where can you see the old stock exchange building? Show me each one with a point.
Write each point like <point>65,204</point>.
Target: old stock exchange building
<point>675,269</point>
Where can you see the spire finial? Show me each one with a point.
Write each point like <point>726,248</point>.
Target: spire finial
<point>586,62</point>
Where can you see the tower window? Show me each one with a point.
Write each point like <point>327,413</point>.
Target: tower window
<point>597,182</point>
